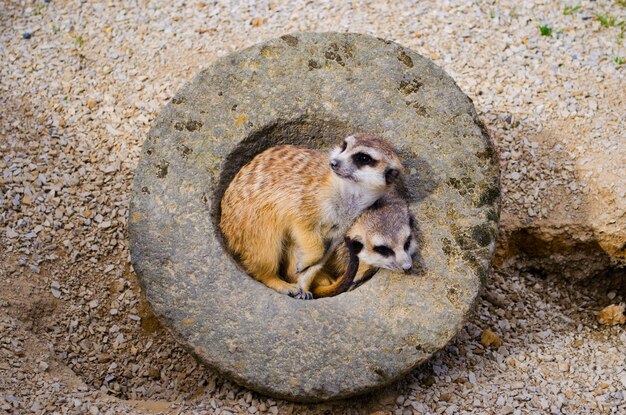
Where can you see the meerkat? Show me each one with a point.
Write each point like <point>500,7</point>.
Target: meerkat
<point>302,199</point>
<point>381,237</point>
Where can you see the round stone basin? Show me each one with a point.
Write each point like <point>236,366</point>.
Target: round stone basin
<point>311,89</point>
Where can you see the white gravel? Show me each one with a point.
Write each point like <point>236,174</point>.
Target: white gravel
<point>76,101</point>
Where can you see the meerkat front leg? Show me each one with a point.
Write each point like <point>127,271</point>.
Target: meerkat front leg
<point>310,250</point>
<point>306,278</point>
<point>281,286</point>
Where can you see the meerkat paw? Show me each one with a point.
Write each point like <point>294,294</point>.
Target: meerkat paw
<point>304,294</point>
<point>291,291</point>
<point>283,287</point>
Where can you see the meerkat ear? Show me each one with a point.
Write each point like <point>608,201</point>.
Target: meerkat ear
<point>391,175</point>
<point>411,221</point>
<point>353,245</point>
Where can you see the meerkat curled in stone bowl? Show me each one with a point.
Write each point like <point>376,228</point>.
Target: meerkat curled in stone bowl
<point>303,201</point>
<point>310,90</point>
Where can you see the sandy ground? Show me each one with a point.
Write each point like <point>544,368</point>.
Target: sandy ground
<point>81,83</point>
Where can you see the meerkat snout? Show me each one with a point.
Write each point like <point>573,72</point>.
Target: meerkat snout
<point>407,265</point>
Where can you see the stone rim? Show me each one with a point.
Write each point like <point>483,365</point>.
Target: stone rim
<point>181,177</point>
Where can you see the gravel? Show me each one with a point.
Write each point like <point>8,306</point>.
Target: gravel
<point>78,97</point>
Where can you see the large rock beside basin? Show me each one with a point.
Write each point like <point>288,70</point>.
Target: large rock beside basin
<point>310,90</point>
<point>582,234</point>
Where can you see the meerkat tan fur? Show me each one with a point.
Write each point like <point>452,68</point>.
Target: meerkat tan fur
<point>302,199</point>
<point>383,236</point>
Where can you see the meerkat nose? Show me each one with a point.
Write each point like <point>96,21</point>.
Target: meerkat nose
<point>334,164</point>
<point>407,268</point>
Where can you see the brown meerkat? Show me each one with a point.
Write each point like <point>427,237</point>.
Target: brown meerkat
<point>381,237</point>
<point>302,199</point>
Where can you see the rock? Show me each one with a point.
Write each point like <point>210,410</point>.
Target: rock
<point>154,373</point>
<point>472,378</point>
<point>490,339</point>
<point>581,232</point>
<point>10,233</point>
<point>544,334</point>
<point>310,90</point>
<point>104,358</point>
<point>612,315</point>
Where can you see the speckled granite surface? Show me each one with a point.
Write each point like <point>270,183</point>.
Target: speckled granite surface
<point>311,89</point>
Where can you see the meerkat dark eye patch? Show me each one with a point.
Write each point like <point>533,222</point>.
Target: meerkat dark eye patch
<point>363,159</point>
<point>353,245</point>
<point>383,250</point>
<point>344,145</point>
<point>391,175</point>
<point>407,244</point>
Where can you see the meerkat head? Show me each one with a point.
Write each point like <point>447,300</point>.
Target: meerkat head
<point>366,160</point>
<point>384,235</point>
